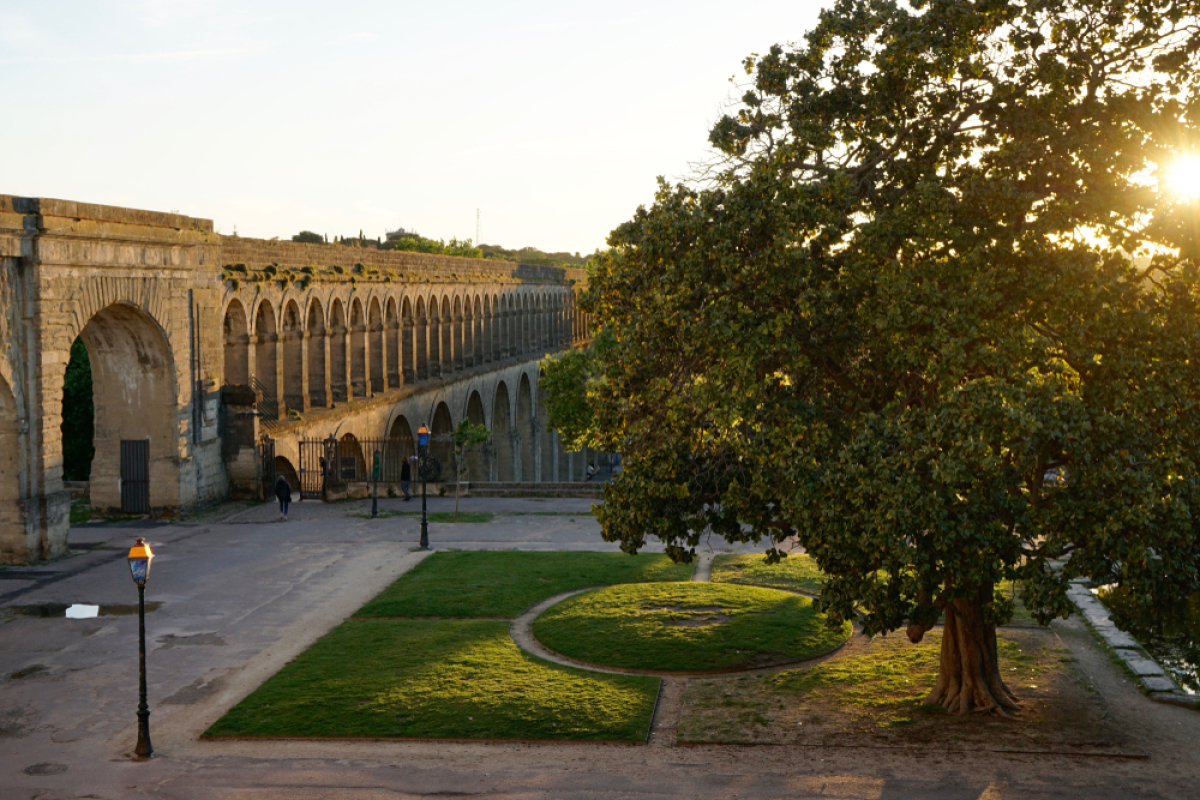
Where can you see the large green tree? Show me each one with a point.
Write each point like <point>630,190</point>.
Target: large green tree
<point>931,315</point>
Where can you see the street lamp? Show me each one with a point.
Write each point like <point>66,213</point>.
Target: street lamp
<point>140,556</point>
<point>375,499</point>
<point>423,452</point>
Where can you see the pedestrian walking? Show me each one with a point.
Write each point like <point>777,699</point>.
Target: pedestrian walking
<point>405,479</point>
<point>283,491</point>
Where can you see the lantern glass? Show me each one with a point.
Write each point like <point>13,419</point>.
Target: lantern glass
<point>140,568</point>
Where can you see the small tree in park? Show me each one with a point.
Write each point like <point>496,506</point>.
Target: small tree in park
<point>931,314</point>
<point>465,435</point>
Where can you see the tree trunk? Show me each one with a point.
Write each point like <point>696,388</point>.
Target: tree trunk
<point>969,675</point>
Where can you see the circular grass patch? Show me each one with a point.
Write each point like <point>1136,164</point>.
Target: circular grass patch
<point>687,627</point>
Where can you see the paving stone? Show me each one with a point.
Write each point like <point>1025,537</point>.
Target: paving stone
<point>1159,683</point>
<point>1117,638</point>
<point>1140,665</point>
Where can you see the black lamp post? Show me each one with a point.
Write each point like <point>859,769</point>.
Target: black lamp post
<point>423,451</point>
<point>139,567</point>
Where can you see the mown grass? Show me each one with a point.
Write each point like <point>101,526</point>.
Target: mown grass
<point>881,687</point>
<point>798,572</point>
<point>438,679</point>
<point>505,583</point>
<point>81,511</point>
<point>687,627</point>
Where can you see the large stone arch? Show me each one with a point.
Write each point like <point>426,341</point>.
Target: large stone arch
<point>467,357</point>
<point>314,332</point>
<point>136,400</point>
<point>266,347</point>
<point>525,432</point>
<point>526,324</point>
<point>293,356</point>
<point>375,346</point>
<point>237,345</point>
<point>358,349</point>
<point>391,343</point>
<point>441,440</point>
<point>339,387</point>
<point>502,433</point>
<point>400,446</point>
<point>15,546</point>
<point>476,455</point>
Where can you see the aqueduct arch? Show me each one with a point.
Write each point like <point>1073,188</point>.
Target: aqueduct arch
<point>134,391</point>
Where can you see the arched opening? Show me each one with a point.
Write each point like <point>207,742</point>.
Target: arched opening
<point>338,387</point>
<point>487,338</point>
<point>441,441</point>
<point>317,341</point>
<point>293,357</point>
<point>13,545</point>
<point>476,455</point>
<point>358,350</point>
<point>435,339</point>
<point>78,415</point>
<point>468,334</point>
<point>459,359</point>
<point>420,333</point>
<point>447,337</point>
<point>526,324</point>
<point>266,368</point>
<point>392,344</point>
<point>477,331</point>
<point>502,433</point>
<point>137,432</point>
<point>407,345</point>
<point>525,432</point>
<point>399,447</point>
<point>351,465</point>
<point>376,346</point>
<point>547,438</point>
<point>539,324</point>
<point>284,467</point>
<point>237,345</point>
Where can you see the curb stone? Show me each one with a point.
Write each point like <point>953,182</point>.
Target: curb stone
<point>1160,686</point>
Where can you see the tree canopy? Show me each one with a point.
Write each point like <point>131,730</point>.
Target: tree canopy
<point>931,315</point>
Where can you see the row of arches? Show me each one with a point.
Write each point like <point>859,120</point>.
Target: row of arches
<point>521,447</point>
<point>314,353</point>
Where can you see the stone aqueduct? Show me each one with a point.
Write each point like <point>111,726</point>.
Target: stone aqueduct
<point>200,342</point>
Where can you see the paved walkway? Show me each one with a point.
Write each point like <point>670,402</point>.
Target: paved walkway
<point>240,599</point>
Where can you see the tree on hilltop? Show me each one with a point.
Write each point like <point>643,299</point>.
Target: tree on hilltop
<point>900,321</point>
<point>308,237</point>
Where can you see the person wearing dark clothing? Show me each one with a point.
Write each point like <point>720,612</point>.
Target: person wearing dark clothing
<point>283,491</point>
<point>405,478</point>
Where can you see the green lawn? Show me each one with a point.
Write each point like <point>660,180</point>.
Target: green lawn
<point>438,679</point>
<point>796,573</point>
<point>687,627</point>
<point>505,583</point>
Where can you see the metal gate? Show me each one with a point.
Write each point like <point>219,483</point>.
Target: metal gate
<point>266,459</point>
<point>315,457</point>
<point>135,476</point>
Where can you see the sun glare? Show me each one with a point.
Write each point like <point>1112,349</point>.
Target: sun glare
<point>1183,177</point>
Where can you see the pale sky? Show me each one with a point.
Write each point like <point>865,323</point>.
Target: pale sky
<point>552,118</point>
